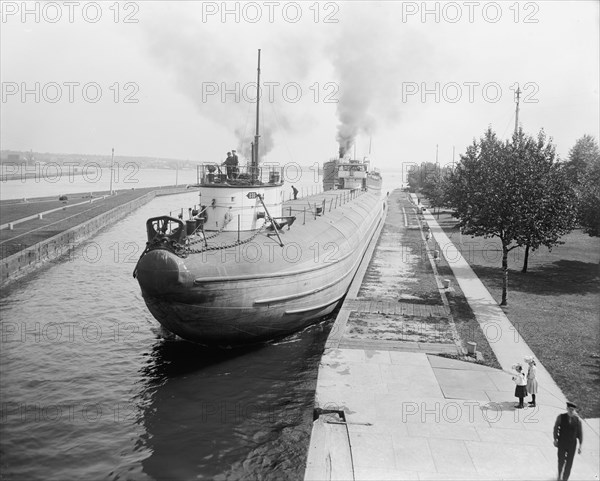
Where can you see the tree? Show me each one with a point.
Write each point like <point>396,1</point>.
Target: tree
<point>511,190</point>
<point>589,200</point>
<point>583,169</point>
<point>582,156</point>
<point>435,188</point>
<point>418,176</point>
<point>548,211</point>
<point>479,192</point>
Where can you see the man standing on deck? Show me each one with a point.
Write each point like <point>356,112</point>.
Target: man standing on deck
<point>234,163</point>
<point>295,191</point>
<point>567,430</point>
<point>229,164</point>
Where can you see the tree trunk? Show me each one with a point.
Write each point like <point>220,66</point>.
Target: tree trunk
<point>504,274</point>
<point>524,270</point>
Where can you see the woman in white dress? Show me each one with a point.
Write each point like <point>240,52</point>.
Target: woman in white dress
<point>532,384</point>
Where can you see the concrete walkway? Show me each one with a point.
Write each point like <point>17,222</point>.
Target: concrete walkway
<point>387,411</point>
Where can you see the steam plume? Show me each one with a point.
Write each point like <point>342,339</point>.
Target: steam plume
<point>199,56</point>
<point>369,69</point>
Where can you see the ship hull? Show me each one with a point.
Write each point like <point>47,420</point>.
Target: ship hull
<point>224,327</point>
<point>231,299</point>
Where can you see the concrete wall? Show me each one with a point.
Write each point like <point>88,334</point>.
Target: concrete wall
<point>37,255</point>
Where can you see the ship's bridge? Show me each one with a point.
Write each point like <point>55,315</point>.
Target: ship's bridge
<point>350,170</point>
<point>352,174</point>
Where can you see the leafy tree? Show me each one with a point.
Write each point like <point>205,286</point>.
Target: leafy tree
<point>419,176</point>
<point>479,192</point>
<point>414,179</point>
<point>430,179</point>
<point>435,188</point>
<point>582,156</point>
<point>583,169</point>
<point>548,210</point>
<point>589,200</point>
<point>511,190</point>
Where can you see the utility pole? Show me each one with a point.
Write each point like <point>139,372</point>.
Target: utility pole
<point>518,94</point>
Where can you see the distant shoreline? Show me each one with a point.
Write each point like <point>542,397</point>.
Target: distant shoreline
<point>57,175</point>
<point>31,175</point>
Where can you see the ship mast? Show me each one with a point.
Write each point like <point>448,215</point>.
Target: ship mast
<point>256,136</point>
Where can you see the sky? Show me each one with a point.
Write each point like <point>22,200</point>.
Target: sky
<point>408,82</point>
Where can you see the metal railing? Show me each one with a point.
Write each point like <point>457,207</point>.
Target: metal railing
<point>213,173</point>
<point>318,209</point>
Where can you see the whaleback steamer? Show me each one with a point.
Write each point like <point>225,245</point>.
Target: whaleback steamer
<point>246,264</point>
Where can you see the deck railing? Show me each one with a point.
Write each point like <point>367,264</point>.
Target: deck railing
<point>213,173</point>
<point>317,209</point>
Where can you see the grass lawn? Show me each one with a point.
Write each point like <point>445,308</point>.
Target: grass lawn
<point>554,306</point>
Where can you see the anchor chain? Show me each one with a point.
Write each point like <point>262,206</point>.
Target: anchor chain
<point>188,250</point>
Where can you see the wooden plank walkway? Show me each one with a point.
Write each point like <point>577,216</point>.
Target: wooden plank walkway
<point>396,308</point>
<point>406,346</point>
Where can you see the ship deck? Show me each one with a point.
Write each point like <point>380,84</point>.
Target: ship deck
<point>328,227</point>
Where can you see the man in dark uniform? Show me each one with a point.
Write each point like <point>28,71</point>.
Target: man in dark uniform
<point>295,192</point>
<point>567,430</point>
<point>229,164</point>
<point>234,163</point>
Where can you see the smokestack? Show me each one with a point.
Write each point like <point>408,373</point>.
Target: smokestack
<point>345,145</point>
